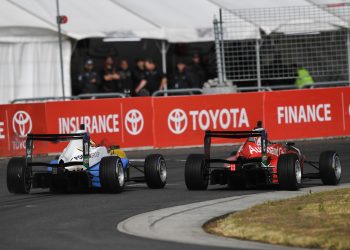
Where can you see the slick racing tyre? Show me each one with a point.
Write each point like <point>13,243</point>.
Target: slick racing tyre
<point>330,168</point>
<point>112,175</point>
<point>196,172</point>
<point>18,176</point>
<point>155,171</point>
<point>289,172</point>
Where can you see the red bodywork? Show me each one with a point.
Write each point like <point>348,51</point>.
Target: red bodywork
<point>252,149</point>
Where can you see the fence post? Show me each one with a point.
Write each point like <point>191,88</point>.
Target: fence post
<point>218,51</point>
<point>222,48</point>
<point>60,47</point>
<point>258,68</point>
<point>164,50</point>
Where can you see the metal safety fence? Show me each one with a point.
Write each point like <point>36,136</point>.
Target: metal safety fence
<point>267,46</point>
<point>77,97</point>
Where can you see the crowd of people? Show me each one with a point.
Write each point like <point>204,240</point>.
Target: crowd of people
<point>143,80</point>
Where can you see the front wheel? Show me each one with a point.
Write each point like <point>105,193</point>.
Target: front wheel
<point>330,168</point>
<point>289,172</point>
<point>112,175</point>
<point>18,176</point>
<point>196,172</point>
<point>155,171</point>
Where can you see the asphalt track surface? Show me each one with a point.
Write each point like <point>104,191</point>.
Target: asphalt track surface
<point>42,220</point>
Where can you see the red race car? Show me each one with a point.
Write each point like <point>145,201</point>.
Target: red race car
<point>259,162</point>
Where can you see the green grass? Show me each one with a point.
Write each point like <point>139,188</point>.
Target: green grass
<point>318,220</point>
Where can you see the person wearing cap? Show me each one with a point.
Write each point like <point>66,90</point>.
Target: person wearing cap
<point>110,77</point>
<point>182,77</point>
<point>153,80</point>
<point>197,72</point>
<point>89,81</point>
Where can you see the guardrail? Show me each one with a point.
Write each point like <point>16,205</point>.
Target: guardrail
<point>253,88</point>
<point>101,95</point>
<point>178,91</point>
<point>77,97</point>
<point>40,99</point>
<point>189,91</point>
<point>286,87</point>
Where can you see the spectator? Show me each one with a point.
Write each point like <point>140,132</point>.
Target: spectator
<point>125,77</point>
<point>89,81</point>
<point>139,72</point>
<point>197,72</point>
<point>304,78</point>
<point>110,77</point>
<point>182,77</point>
<point>153,80</point>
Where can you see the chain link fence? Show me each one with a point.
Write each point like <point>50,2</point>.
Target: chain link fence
<point>266,47</point>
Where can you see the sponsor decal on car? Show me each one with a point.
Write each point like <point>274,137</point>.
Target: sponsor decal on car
<point>80,157</point>
<point>270,150</point>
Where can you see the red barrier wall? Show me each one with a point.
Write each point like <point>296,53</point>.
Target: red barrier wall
<point>178,121</point>
<point>302,114</point>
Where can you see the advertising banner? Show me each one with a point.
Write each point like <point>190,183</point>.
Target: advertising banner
<point>178,120</point>
<point>4,136</point>
<point>137,122</point>
<point>304,113</point>
<point>181,121</point>
<point>23,119</point>
<point>110,122</point>
<point>102,119</point>
<point>346,110</point>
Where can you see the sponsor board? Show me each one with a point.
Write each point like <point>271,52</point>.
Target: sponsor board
<point>4,137</point>
<point>137,113</point>
<point>304,113</point>
<point>345,98</point>
<point>23,119</point>
<point>180,121</point>
<point>102,119</point>
<point>122,122</point>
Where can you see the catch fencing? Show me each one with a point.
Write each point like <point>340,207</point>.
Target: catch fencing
<point>266,46</point>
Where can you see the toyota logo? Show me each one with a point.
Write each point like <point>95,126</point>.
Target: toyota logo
<point>177,121</point>
<point>21,123</point>
<point>134,122</point>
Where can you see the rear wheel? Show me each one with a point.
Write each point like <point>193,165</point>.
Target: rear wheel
<point>196,172</point>
<point>289,172</point>
<point>18,176</point>
<point>112,176</point>
<point>155,171</point>
<point>330,168</point>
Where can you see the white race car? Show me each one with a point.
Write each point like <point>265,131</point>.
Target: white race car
<point>81,166</point>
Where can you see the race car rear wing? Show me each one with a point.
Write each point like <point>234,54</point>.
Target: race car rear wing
<point>85,137</point>
<point>234,135</point>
